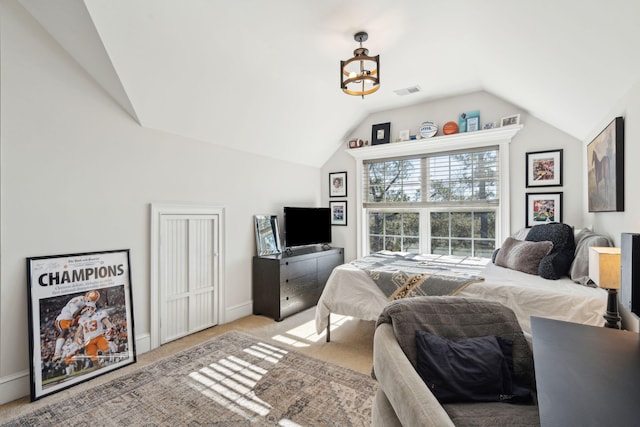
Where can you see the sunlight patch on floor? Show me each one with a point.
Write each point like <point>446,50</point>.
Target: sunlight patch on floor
<point>288,423</point>
<point>305,334</point>
<point>230,382</point>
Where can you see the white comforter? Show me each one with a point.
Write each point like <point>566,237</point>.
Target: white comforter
<point>351,292</point>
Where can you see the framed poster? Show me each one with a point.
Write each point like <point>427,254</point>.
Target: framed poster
<point>543,208</point>
<point>605,169</point>
<point>338,184</point>
<point>544,168</point>
<point>80,318</point>
<point>338,213</point>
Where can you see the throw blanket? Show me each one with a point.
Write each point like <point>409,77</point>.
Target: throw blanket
<point>455,318</point>
<point>401,275</point>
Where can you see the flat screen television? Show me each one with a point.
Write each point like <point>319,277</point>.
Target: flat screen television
<point>306,226</point>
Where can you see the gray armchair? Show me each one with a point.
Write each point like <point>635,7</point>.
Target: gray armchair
<point>403,399</point>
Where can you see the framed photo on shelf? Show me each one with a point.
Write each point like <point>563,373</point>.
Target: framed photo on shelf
<point>469,121</point>
<point>267,235</point>
<point>338,184</point>
<point>605,169</point>
<point>78,304</point>
<point>544,168</point>
<point>338,212</point>
<point>510,120</point>
<point>381,133</point>
<point>543,208</point>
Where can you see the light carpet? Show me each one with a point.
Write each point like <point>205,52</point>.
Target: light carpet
<point>234,379</point>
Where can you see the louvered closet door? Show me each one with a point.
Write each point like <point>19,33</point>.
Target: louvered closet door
<point>188,278</point>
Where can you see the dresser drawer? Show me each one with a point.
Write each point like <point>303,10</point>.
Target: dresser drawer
<point>290,270</point>
<point>331,261</point>
<point>297,302</point>
<point>298,285</point>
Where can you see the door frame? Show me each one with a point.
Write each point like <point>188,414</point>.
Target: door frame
<point>157,211</point>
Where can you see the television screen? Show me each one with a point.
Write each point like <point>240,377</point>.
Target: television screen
<point>306,226</point>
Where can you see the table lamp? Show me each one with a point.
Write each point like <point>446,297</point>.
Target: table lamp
<point>604,270</point>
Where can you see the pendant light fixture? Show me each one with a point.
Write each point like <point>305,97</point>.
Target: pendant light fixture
<point>360,75</point>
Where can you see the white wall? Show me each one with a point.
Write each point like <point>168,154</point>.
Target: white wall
<point>78,174</point>
<point>535,136</point>
<point>615,223</point>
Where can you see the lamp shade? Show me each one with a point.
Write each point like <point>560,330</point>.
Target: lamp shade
<point>604,267</point>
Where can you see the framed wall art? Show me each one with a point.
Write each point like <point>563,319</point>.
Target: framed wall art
<point>605,169</point>
<point>544,168</point>
<point>80,318</point>
<point>381,133</point>
<point>543,208</point>
<point>338,213</point>
<point>338,184</point>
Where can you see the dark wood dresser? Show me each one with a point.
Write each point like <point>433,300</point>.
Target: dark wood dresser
<point>285,284</point>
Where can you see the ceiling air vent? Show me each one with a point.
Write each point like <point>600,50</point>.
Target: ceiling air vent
<point>407,90</point>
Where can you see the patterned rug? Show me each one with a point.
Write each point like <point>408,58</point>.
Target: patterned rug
<point>231,380</point>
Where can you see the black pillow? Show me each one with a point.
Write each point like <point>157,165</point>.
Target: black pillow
<point>468,370</point>
<point>558,262</point>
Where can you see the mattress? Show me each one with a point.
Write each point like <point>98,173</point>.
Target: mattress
<point>351,292</point>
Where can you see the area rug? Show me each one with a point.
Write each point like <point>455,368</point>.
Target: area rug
<point>232,380</point>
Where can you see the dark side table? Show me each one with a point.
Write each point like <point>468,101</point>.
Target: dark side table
<point>586,375</point>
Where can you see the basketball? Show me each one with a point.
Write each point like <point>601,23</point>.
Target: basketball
<point>450,128</point>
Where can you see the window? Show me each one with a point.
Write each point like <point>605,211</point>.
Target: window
<point>394,231</point>
<point>444,203</point>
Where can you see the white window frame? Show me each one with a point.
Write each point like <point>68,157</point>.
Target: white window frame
<point>462,141</point>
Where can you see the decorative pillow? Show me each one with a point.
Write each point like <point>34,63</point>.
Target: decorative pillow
<point>468,370</point>
<point>559,260</point>
<point>579,271</point>
<point>522,255</point>
<point>518,235</point>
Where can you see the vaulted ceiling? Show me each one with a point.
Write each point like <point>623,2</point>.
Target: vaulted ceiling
<point>263,75</point>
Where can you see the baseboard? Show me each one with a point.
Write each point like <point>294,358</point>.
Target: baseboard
<point>13,387</point>
<point>237,312</point>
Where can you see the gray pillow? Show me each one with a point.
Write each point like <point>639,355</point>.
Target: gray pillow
<point>579,271</point>
<point>522,255</point>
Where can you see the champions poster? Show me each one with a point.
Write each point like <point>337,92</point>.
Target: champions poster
<point>80,318</point>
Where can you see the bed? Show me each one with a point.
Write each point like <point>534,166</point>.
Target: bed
<point>351,291</point>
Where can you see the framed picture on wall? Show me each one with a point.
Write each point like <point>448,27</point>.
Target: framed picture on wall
<point>338,184</point>
<point>338,213</point>
<point>605,169</point>
<point>80,318</point>
<point>543,208</point>
<point>544,168</point>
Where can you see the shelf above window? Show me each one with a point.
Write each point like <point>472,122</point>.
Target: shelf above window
<point>458,141</point>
